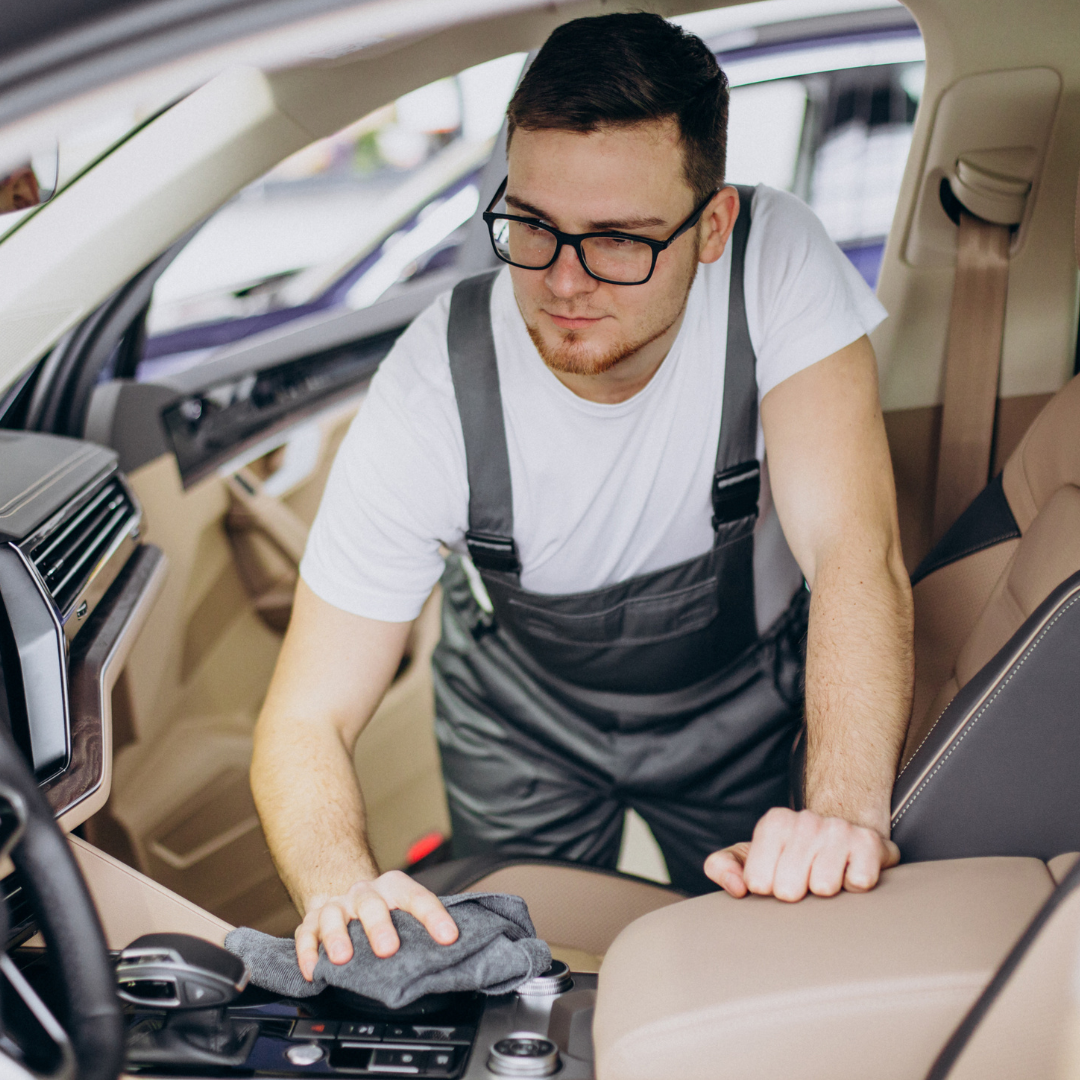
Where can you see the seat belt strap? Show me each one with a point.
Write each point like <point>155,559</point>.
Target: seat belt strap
<point>972,367</point>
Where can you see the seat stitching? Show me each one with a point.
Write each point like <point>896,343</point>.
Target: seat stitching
<point>934,725</point>
<point>974,549</point>
<point>986,705</point>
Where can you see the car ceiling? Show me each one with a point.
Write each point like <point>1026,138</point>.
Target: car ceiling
<point>84,245</point>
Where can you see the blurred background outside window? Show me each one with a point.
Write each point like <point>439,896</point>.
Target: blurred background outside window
<point>823,98</point>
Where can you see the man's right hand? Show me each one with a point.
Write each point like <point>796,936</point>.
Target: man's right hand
<point>328,917</point>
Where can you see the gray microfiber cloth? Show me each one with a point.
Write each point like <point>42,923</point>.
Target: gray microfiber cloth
<point>496,951</point>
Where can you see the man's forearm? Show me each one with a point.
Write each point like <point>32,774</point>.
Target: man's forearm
<point>311,810</point>
<point>859,672</point>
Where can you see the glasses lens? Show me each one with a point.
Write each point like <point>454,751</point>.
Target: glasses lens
<point>617,259</point>
<point>522,244</point>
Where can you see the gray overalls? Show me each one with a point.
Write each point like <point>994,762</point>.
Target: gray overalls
<point>662,693</point>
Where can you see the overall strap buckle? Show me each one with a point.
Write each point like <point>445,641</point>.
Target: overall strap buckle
<point>491,552</point>
<point>735,493</point>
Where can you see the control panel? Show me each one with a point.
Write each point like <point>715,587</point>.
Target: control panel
<point>541,1030</point>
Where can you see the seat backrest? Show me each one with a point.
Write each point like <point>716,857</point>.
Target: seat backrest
<point>1015,543</point>
<point>996,775</point>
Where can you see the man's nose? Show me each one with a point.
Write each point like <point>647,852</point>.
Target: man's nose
<point>566,276</point>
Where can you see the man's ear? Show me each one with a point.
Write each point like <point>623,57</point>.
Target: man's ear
<point>716,224</point>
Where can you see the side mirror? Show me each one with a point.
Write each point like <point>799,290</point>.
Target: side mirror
<point>31,183</point>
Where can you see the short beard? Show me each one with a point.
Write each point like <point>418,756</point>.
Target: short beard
<point>569,357</point>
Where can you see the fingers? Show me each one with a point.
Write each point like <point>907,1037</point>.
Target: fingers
<point>370,903</point>
<point>333,933</point>
<point>726,869</point>
<point>792,854</point>
<point>374,914</point>
<point>307,946</point>
<point>867,861</point>
<point>408,895</point>
<point>770,837</point>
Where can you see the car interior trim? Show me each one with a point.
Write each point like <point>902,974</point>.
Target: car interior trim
<point>98,656</point>
<point>41,655</point>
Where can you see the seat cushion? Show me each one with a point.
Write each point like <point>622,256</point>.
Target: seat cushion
<point>852,986</point>
<point>578,907</point>
<point>578,910</point>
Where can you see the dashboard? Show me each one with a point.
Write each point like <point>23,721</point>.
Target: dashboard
<point>76,584</point>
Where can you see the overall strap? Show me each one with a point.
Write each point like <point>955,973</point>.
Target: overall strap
<point>475,373</point>
<point>737,480</point>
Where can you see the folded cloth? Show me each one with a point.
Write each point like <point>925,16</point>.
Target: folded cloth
<point>496,951</point>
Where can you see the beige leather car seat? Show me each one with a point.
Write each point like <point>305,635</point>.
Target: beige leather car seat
<point>577,910</point>
<point>969,608</point>
<point>851,987</point>
<point>1002,558</point>
<point>1027,1021</point>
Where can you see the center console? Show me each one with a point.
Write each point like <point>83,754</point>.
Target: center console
<point>449,1036</point>
<point>541,1030</point>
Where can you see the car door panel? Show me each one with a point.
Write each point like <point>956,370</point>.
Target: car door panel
<point>181,799</point>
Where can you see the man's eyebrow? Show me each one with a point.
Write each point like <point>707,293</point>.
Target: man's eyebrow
<point>620,224</point>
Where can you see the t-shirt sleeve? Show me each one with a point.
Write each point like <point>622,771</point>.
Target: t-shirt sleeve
<point>398,487</point>
<point>804,298</point>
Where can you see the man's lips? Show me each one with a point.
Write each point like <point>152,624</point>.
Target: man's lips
<point>564,322</point>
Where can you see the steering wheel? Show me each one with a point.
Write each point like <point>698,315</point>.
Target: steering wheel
<point>88,1038</point>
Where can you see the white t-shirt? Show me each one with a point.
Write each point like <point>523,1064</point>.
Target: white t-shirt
<point>601,492</point>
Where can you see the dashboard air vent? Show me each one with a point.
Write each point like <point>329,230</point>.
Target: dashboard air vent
<point>70,555</point>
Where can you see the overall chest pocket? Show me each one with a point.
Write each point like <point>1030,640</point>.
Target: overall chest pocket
<point>635,620</point>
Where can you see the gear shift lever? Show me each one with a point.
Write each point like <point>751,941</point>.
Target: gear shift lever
<point>179,971</point>
<point>194,980</point>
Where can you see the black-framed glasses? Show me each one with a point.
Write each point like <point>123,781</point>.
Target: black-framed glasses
<point>613,257</point>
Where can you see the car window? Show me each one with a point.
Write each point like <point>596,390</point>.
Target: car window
<point>340,223</point>
<point>823,97</point>
<point>839,108</point>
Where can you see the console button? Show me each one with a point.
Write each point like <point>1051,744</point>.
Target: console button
<point>440,1063</point>
<point>198,993</point>
<point>406,1062</point>
<point>305,1054</point>
<point>440,1034</point>
<point>352,1030</point>
<point>315,1029</point>
<point>349,1056</point>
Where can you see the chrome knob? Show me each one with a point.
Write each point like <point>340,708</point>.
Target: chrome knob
<point>524,1053</point>
<point>556,980</point>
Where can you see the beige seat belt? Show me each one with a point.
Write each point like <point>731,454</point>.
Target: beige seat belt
<point>976,326</point>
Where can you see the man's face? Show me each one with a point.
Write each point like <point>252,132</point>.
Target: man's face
<point>628,179</point>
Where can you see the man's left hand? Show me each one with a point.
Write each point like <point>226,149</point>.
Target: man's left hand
<point>793,853</point>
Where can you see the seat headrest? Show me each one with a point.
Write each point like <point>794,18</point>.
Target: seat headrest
<point>1048,456</point>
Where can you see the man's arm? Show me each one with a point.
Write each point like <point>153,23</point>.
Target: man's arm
<point>832,482</point>
<point>331,674</point>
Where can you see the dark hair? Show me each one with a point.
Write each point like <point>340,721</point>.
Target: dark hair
<point>626,69</point>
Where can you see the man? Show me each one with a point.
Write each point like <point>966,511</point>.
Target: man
<point>586,428</point>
